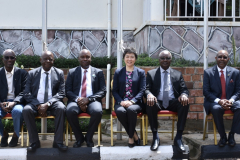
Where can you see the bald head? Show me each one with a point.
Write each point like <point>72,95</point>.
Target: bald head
<point>46,53</point>
<point>222,52</point>
<point>165,52</point>
<point>84,51</point>
<point>47,60</point>
<point>222,59</point>
<point>9,51</point>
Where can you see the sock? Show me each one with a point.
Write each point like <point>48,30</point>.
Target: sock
<point>155,135</point>
<point>179,134</point>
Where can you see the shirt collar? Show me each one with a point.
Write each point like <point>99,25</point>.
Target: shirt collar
<point>162,70</point>
<point>224,69</point>
<point>88,70</point>
<point>43,71</point>
<point>9,72</point>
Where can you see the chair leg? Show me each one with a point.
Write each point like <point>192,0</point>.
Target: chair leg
<point>146,138</point>
<point>99,133</point>
<point>143,130</point>
<point>205,127</point>
<point>66,133</point>
<point>214,132</point>
<point>27,139</point>
<point>141,135</point>
<point>173,122</point>
<point>111,119</point>
<point>70,133</point>
<point>22,135</point>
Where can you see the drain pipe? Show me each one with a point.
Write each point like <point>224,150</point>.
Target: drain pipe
<point>109,52</point>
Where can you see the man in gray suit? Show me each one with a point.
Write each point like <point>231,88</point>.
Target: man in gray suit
<point>12,82</point>
<point>221,88</point>
<point>85,88</point>
<point>44,92</point>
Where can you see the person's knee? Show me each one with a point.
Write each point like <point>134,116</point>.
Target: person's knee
<point>27,109</point>
<point>61,108</point>
<point>131,110</point>
<point>97,112</point>
<point>17,109</point>
<point>71,110</point>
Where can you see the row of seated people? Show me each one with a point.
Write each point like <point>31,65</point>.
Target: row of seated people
<point>27,95</point>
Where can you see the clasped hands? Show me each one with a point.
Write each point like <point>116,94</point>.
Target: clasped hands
<point>126,103</point>
<point>42,109</point>
<point>82,103</point>
<point>7,106</point>
<point>183,99</point>
<point>225,104</point>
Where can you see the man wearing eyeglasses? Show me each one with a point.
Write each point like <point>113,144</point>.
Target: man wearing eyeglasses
<point>166,90</point>
<point>12,82</point>
<point>221,88</point>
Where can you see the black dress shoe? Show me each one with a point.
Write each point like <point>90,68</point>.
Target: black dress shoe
<point>155,144</point>
<point>137,142</point>
<point>131,145</point>
<point>179,144</point>
<point>231,140</point>
<point>222,142</point>
<point>60,146</point>
<point>13,142</point>
<point>33,146</point>
<point>4,141</point>
<point>90,144</point>
<point>77,144</point>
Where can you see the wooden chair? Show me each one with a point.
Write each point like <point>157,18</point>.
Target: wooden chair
<point>39,117</point>
<point>84,115</point>
<point>9,116</point>
<point>226,114</point>
<point>114,116</point>
<point>164,113</point>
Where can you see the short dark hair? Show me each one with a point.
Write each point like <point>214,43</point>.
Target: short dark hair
<point>130,50</point>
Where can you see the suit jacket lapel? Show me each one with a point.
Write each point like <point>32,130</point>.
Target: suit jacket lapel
<point>53,77</point>
<point>93,76</point>
<point>134,78</point>
<point>228,77</point>
<point>36,80</point>
<point>216,76</point>
<point>4,79</point>
<point>157,80</point>
<point>15,77</point>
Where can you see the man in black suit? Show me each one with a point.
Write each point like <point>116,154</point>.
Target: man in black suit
<point>85,88</point>
<point>166,90</point>
<point>221,88</point>
<point>44,92</point>
<point>12,82</point>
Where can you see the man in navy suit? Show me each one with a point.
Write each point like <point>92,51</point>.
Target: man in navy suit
<point>221,88</point>
<point>44,92</point>
<point>85,88</point>
<point>12,83</point>
<point>166,90</point>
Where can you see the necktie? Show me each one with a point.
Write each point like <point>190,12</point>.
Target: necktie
<point>165,90</point>
<point>84,85</point>
<point>46,88</point>
<point>223,84</point>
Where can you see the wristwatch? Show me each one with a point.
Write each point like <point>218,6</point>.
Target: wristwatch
<point>132,101</point>
<point>49,104</point>
<point>91,99</point>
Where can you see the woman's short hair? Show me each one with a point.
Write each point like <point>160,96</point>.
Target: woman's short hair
<point>130,50</point>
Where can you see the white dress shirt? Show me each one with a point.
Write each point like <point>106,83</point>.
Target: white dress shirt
<point>88,80</point>
<point>11,89</point>
<point>224,73</point>
<point>41,90</point>
<point>170,92</point>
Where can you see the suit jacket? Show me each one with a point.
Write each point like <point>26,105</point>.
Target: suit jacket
<point>153,83</point>
<point>33,82</point>
<point>73,84</point>
<point>19,83</point>
<point>212,88</point>
<point>138,84</point>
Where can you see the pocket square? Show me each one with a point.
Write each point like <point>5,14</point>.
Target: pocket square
<point>231,81</point>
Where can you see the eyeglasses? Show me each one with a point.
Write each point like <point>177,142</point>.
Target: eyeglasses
<point>165,58</point>
<point>224,57</point>
<point>9,57</point>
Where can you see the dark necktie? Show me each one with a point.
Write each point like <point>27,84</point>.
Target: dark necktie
<point>223,84</point>
<point>46,88</point>
<point>84,85</point>
<point>165,90</point>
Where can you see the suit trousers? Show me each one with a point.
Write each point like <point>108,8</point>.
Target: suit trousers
<point>72,112</point>
<point>217,112</point>
<point>57,109</point>
<point>17,118</point>
<point>175,106</point>
<point>128,117</point>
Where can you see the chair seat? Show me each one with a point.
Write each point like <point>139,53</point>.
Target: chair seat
<point>167,112</point>
<point>114,114</point>
<point>8,115</point>
<point>84,115</point>
<point>226,112</point>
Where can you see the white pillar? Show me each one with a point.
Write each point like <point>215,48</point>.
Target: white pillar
<point>44,46</point>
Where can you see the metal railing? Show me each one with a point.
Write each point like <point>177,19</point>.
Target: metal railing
<point>198,5</point>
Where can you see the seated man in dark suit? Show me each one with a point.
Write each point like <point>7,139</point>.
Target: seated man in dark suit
<point>12,82</point>
<point>221,88</point>
<point>85,88</point>
<point>44,92</point>
<point>166,90</point>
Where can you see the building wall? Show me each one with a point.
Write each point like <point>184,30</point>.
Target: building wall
<point>69,14</point>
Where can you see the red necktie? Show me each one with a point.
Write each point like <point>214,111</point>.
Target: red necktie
<point>223,84</point>
<point>84,85</point>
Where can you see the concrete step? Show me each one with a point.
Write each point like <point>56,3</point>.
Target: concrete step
<point>13,154</point>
